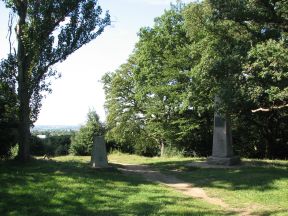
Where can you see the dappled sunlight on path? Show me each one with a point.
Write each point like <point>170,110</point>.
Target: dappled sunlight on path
<point>171,181</point>
<point>185,188</point>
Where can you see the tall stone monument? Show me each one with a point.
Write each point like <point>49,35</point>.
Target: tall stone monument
<point>222,152</point>
<point>99,154</point>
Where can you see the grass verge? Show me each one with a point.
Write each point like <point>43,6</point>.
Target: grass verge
<point>258,185</point>
<point>69,186</point>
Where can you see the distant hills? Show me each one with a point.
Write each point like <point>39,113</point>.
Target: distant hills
<point>56,127</point>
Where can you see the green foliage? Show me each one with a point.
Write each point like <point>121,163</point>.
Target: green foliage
<point>37,146</point>
<point>52,30</point>
<point>266,71</point>
<point>51,145</point>
<point>218,49</point>
<point>164,95</point>
<point>47,32</point>
<point>264,63</point>
<point>144,97</point>
<point>263,83</point>
<point>123,121</point>
<point>8,107</point>
<point>163,63</point>
<point>82,141</point>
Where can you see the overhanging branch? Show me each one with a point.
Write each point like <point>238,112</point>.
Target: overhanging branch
<point>269,109</point>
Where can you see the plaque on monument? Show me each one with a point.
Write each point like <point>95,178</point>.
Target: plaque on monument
<point>99,154</point>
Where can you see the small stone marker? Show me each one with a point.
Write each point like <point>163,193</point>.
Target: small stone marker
<point>99,154</point>
<point>222,152</point>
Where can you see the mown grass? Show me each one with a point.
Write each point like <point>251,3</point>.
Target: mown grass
<point>261,185</point>
<point>69,186</point>
<point>136,159</point>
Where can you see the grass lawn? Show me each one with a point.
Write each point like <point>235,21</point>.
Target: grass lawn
<point>261,185</point>
<point>68,186</point>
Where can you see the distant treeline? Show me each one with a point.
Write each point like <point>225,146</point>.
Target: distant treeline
<point>56,142</point>
<point>54,128</point>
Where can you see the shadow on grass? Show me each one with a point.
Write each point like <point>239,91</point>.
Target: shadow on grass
<point>256,175</point>
<point>43,187</point>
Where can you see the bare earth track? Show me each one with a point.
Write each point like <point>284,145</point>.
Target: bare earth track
<point>181,186</point>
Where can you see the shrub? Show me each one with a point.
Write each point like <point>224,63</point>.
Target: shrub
<point>55,145</point>
<point>82,141</point>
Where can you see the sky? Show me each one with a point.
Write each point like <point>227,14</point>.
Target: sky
<point>79,88</point>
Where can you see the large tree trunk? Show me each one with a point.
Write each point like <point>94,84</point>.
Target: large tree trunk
<point>24,126</point>
<point>23,88</point>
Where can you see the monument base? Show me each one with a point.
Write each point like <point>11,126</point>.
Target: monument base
<point>226,161</point>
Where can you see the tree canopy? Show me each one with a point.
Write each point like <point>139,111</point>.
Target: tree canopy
<point>47,32</point>
<point>165,92</point>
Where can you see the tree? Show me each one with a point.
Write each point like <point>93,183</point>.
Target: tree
<point>218,50</point>
<point>165,93</point>
<point>240,50</point>
<point>125,120</point>
<point>145,97</point>
<point>266,64</point>
<point>163,63</point>
<point>47,33</point>
<point>264,69</point>
<point>8,107</point>
<point>82,141</point>
<point>267,75</point>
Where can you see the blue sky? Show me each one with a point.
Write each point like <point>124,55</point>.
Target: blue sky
<point>79,89</point>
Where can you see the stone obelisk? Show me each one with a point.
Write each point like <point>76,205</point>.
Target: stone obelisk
<point>99,154</point>
<point>222,152</point>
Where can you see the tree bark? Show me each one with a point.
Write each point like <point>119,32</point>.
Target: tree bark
<point>23,86</point>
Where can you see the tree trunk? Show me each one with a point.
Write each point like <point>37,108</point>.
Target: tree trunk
<point>269,142</point>
<point>23,86</point>
<point>24,126</point>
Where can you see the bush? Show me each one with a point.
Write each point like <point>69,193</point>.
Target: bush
<point>37,146</point>
<point>82,141</point>
<point>8,140</point>
<point>55,145</point>
<point>171,151</point>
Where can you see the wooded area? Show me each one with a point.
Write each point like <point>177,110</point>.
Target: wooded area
<point>163,96</point>
<point>161,101</point>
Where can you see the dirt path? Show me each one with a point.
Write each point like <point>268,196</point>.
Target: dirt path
<point>179,185</point>
<point>173,182</point>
